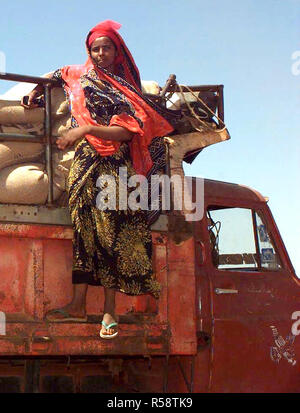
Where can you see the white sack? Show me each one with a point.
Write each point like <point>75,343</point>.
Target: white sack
<point>150,86</point>
<point>177,100</point>
<point>28,184</point>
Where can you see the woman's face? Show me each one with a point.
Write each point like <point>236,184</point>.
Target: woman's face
<point>104,52</point>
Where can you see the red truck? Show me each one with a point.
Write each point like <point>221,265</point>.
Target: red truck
<point>228,319</point>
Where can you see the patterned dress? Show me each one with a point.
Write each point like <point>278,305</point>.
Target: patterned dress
<point>113,247</point>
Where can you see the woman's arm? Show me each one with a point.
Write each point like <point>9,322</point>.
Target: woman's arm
<point>110,133</point>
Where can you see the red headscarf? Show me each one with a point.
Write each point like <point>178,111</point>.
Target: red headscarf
<point>153,124</point>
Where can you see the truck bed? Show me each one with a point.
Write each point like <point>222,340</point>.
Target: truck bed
<point>35,277</point>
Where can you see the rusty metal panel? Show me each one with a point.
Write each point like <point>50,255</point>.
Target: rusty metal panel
<point>58,283</point>
<point>15,255</point>
<point>62,339</point>
<point>36,277</point>
<point>16,231</point>
<point>182,297</point>
<point>36,214</point>
<point>43,214</point>
<point>159,241</point>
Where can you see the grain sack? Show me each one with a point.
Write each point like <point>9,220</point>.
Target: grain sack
<point>62,161</point>
<point>11,112</point>
<point>28,184</point>
<point>23,128</point>
<point>12,153</point>
<point>59,104</point>
<point>61,126</point>
<point>150,86</point>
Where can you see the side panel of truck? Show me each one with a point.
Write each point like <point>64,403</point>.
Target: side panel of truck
<point>35,268</point>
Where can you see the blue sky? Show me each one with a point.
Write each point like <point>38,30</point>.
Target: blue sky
<point>246,45</point>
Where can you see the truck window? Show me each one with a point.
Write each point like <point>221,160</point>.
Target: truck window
<point>268,256</point>
<point>239,240</point>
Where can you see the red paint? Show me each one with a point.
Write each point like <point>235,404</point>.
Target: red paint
<point>228,337</point>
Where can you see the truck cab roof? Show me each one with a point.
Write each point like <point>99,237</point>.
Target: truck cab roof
<point>220,190</point>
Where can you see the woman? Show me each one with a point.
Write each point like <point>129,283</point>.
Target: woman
<point>113,126</point>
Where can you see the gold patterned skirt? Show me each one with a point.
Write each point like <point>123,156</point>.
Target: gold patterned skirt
<point>112,247</point>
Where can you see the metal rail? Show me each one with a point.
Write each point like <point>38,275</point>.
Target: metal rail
<point>172,86</point>
<point>46,138</point>
<point>27,79</point>
<point>219,89</point>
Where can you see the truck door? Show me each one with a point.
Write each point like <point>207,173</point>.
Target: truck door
<point>255,302</point>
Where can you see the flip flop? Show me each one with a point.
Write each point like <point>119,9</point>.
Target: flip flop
<point>108,336</point>
<point>67,316</point>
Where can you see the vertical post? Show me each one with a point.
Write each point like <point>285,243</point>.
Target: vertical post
<point>166,374</point>
<point>32,376</point>
<point>258,255</point>
<point>221,102</point>
<point>168,173</point>
<point>48,133</point>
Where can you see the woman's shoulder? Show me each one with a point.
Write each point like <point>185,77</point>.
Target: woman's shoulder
<point>72,71</point>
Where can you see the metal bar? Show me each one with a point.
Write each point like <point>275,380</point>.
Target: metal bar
<point>35,214</point>
<point>166,374</point>
<point>202,88</point>
<point>21,138</point>
<point>168,173</point>
<point>32,376</point>
<point>192,373</point>
<point>47,83</point>
<point>48,149</point>
<point>221,102</point>
<point>171,82</point>
<point>189,385</point>
<point>60,215</point>
<point>205,88</point>
<point>256,240</point>
<point>225,291</point>
<point>27,79</point>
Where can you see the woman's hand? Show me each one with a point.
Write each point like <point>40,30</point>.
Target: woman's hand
<point>35,93</point>
<point>69,138</point>
<point>29,104</point>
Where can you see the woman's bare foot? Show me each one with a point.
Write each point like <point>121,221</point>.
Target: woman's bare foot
<point>67,312</point>
<point>75,310</point>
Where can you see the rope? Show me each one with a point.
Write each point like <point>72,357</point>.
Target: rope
<point>195,115</point>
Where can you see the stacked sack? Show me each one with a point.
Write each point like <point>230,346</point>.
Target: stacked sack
<point>23,178</point>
